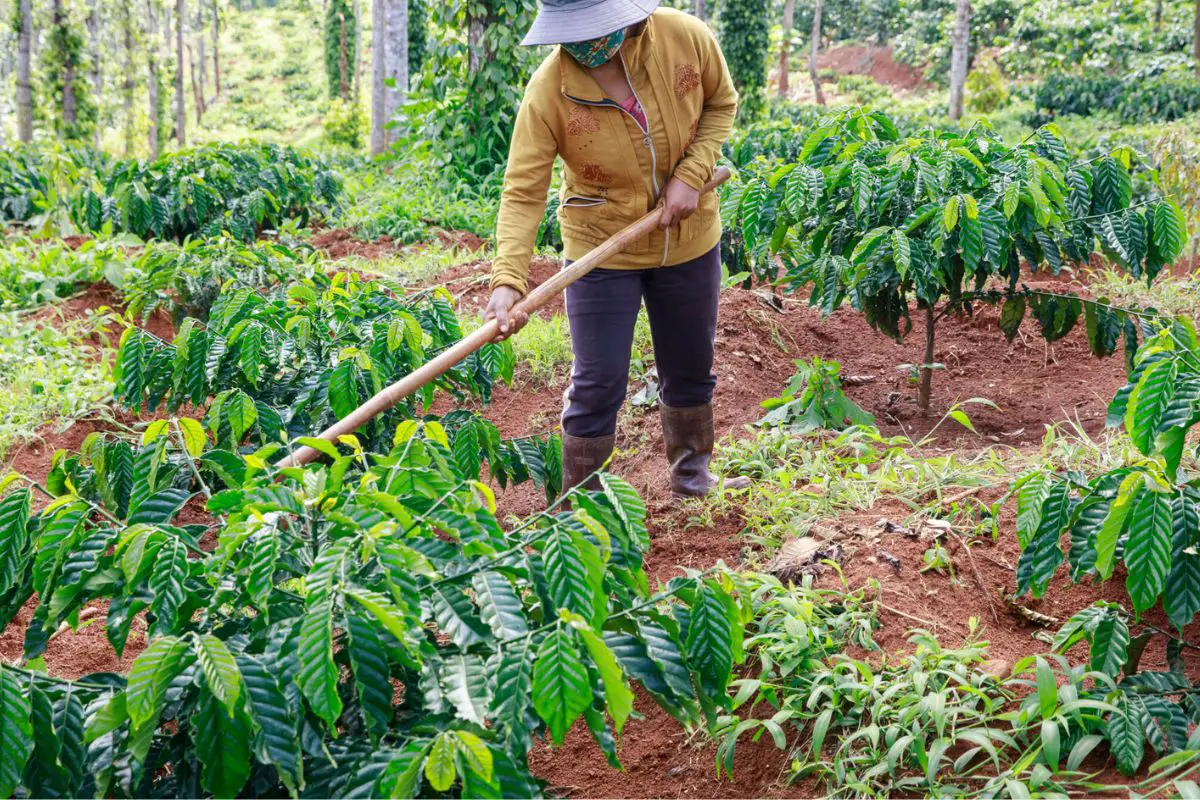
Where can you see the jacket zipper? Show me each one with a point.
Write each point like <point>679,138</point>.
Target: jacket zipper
<point>647,139</point>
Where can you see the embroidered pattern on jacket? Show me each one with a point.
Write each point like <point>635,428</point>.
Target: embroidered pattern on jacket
<point>594,173</point>
<point>581,121</point>
<point>686,79</point>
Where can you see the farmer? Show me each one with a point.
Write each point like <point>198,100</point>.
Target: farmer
<point>637,102</point>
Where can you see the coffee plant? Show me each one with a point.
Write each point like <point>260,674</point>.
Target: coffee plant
<point>866,216</point>
<point>271,367</point>
<point>1134,99</point>
<point>330,636</point>
<point>813,400</point>
<point>1143,515</point>
<point>1147,707</point>
<point>242,189</point>
<point>185,280</point>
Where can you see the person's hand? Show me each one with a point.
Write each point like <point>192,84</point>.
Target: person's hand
<point>500,308</point>
<point>679,201</point>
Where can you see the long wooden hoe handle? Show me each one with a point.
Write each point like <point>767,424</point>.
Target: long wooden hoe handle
<point>543,294</point>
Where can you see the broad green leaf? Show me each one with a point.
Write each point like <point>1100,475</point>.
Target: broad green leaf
<point>16,731</point>
<point>440,769</point>
<point>194,437</point>
<point>1116,522</point>
<point>1148,549</point>
<point>220,670</point>
<point>222,746</point>
<point>152,671</point>
<point>560,684</point>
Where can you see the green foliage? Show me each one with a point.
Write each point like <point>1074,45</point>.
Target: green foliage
<point>345,123</point>
<point>987,90</point>
<point>51,371</point>
<point>862,90</point>
<point>274,661</point>
<point>867,217</point>
<point>1143,514</point>
<point>35,178</point>
<point>65,65</point>
<point>814,400</point>
<point>1134,98</point>
<point>418,35</point>
<point>243,189</point>
<point>184,280</point>
<point>931,722</point>
<point>1154,708</point>
<point>340,48</point>
<point>32,273</point>
<point>744,28</point>
<point>467,114</point>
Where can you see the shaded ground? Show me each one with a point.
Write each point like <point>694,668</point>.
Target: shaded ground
<point>756,346</point>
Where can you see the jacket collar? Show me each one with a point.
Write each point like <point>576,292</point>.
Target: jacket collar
<point>578,84</point>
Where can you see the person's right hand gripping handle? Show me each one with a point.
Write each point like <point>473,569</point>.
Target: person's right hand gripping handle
<point>522,206</point>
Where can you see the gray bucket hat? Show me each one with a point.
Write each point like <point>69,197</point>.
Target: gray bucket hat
<point>561,21</point>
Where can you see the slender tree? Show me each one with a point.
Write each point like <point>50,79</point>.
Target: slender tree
<point>789,16</point>
<point>378,76</point>
<point>180,111</point>
<point>197,92</point>
<point>744,27</point>
<point>93,29</point>
<point>64,65</point>
<point>153,80</point>
<point>397,59</point>
<point>127,20</point>
<point>357,77</point>
<point>700,13</point>
<point>339,47</point>
<point>958,56</point>
<point>814,48</point>
<point>216,47</point>
<point>201,63</point>
<point>1196,38</point>
<point>24,79</point>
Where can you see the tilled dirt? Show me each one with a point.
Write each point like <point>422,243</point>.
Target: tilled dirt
<point>1033,386</point>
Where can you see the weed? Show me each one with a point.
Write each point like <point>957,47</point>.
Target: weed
<point>48,372</point>
<point>414,266</point>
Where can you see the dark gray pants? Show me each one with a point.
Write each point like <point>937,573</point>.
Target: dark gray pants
<point>602,307</point>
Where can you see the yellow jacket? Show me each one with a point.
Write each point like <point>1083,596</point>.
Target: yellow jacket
<point>613,171</point>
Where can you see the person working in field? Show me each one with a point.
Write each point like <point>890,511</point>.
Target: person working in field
<point>637,101</point>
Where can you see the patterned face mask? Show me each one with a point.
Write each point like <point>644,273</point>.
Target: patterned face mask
<point>595,52</point>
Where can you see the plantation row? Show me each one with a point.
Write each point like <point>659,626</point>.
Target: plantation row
<point>367,626</point>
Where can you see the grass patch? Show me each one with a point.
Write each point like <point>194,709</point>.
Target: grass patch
<point>48,372</point>
<point>1170,294</point>
<point>420,266</point>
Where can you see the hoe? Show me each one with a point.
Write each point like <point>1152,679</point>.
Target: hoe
<point>393,394</point>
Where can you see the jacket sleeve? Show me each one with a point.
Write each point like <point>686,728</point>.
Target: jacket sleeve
<point>716,120</point>
<point>523,199</point>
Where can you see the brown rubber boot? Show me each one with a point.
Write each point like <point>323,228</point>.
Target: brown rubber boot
<point>688,433</point>
<point>582,457</point>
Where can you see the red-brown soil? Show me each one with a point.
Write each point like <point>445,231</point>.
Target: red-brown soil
<point>877,62</point>
<point>756,345</point>
<point>342,243</point>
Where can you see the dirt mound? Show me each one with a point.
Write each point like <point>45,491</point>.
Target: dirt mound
<point>341,243</point>
<point>877,62</point>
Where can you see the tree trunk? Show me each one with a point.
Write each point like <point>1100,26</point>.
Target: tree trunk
<point>24,58</point>
<point>700,14</point>
<point>216,44</point>
<point>343,60</point>
<point>68,88</point>
<point>378,75</point>
<point>814,48</point>
<point>180,110</point>
<point>397,60</point>
<point>129,83</point>
<point>152,83</point>
<point>201,62</point>
<point>197,100</point>
<point>1196,38</point>
<point>476,26</point>
<point>93,29</point>
<point>789,15</point>
<point>925,390</point>
<point>357,78</point>
<point>1158,11</point>
<point>958,56</point>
